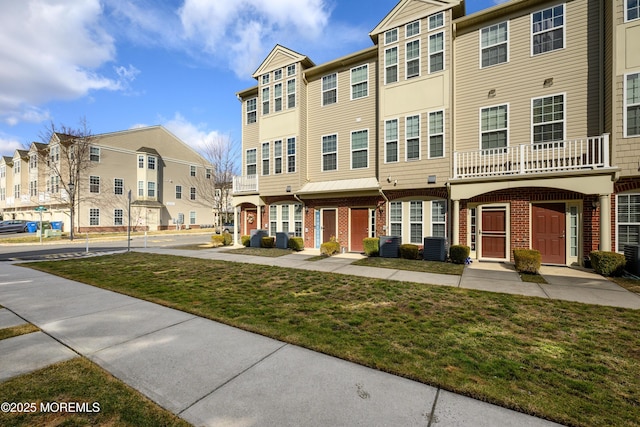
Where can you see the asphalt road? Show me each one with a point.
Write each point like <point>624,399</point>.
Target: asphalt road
<point>81,248</point>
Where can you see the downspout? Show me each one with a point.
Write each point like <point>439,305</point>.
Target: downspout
<point>386,201</point>
<point>295,196</point>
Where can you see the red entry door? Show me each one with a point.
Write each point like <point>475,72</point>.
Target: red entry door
<point>251,221</point>
<point>328,224</point>
<point>359,228</point>
<point>548,232</point>
<point>494,233</point>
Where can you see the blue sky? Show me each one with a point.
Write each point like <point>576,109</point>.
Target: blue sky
<point>177,63</point>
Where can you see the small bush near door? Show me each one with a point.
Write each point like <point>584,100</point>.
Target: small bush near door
<point>227,238</point>
<point>607,263</point>
<point>296,243</point>
<point>459,253</point>
<point>409,251</point>
<point>330,248</point>
<point>371,246</point>
<point>245,240</point>
<point>217,241</point>
<point>268,242</point>
<point>527,260</point>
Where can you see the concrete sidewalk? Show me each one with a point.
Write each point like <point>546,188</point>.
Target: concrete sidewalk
<point>215,375</point>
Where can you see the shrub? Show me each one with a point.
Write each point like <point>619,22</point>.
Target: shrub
<point>245,240</point>
<point>527,260</point>
<point>371,246</point>
<point>607,263</point>
<point>459,253</point>
<point>217,241</point>
<point>409,251</point>
<point>331,247</point>
<point>296,243</point>
<point>227,238</point>
<point>268,242</point>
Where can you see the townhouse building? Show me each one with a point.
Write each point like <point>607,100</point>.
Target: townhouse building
<point>164,177</point>
<point>514,127</point>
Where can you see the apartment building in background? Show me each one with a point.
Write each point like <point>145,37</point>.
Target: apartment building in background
<point>514,127</point>
<point>167,181</point>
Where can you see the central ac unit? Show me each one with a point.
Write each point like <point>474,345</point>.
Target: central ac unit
<point>632,256</point>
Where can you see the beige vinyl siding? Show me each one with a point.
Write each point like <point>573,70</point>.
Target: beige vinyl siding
<point>574,70</point>
<point>341,118</point>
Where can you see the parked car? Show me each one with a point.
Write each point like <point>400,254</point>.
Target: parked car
<point>226,227</point>
<point>13,226</point>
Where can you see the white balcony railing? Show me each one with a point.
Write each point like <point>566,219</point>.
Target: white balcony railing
<point>557,156</point>
<point>245,184</point>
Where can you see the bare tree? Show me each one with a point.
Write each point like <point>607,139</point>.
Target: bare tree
<point>222,154</point>
<point>68,157</point>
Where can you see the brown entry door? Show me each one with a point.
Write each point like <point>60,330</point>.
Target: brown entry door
<point>548,232</point>
<point>328,224</point>
<point>359,228</point>
<point>251,221</point>
<point>494,233</point>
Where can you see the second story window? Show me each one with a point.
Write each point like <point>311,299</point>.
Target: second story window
<point>329,153</point>
<point>178,191</point>
<point>94,154</point>
<point>548,119</point>
<point>412,145</point>
<point>436,52</point>
<point>360,82</point>
<point>632,105</point>
<point>118,186</point>
<point>632,10</point>
<point>360,149</point>
<point>493,41</point>
<point>277,157</point>
<point>547,30</point>
<point>251,110</point>
<point>151,162</point>
<point>94,184</point>
<point>493,127</point>
<point>330,89</point>
<point>391,141</point>
<point>265,158</point>
<point>140,162</point>
<point>291,155</point>
<point>151,189</point>
<point>265,101</point>
<point>413,59</point>
<point>436,134</point>
<point>192,193</point>
<point>251,162</point>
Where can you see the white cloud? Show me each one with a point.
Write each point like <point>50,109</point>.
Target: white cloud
<point>50,49</point>
<point>9,145</point>
<point>194,135</point>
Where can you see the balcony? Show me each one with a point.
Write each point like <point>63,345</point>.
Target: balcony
<point>245,184</point>
<point>558,156</point>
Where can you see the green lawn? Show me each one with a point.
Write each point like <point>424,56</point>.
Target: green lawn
<point>572,363</point>
<point>412,265</point>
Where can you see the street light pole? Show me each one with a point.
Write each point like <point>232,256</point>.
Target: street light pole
<point>72,200</point>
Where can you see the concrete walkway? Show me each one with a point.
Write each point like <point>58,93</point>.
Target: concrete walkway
<point>215,375</point>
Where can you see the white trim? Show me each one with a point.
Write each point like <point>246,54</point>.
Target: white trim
<point>246,161</point>
<point>616,223</point>
<point>406,29</point>
<point>386,66</point>
<point>444,21</point>
<point>351,150</point>
<point>444,49</point>
<point>389,31</point>
<point>323,90</point>
<point>564,114</point>
<point>625,12</point>
<point>397,140</point>
<point>625,105</point>
<point>507,226</point>
<point>444,146</point>
<point>351,82</point>
<point>406,138</point>
<point>507,128</point>
<point>481,48</point>
<point>322,153</point>
<point>407,60</point>
<point>262,158</point>
<point>564,29</point>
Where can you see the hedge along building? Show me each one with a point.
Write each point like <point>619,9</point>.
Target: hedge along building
<point>515,127</point>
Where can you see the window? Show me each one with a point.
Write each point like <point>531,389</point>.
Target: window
<point>277,157</point>
<point>297,218</point>
<point>359,149</point>
<point>192,170</point>
<point>632,104</point>
<point>94,216</point>
<point>493,127</point>
<point>94,184</point>
<point>33,188</point>
<point>273,220</point>
<point>395,218</point>
<point>330,89</point>
<point>412,132</point>
<point>628,207</point>
<point>415,222</point>
<point>439,218</point>
<point>118,186</point>
<point>251,162</point>
<point>265,101</point>
<point>16,167</point>
<point>3,194</point>
<point>33,161</point>
<point>284,209</point>
<point>192,193</point>
<point>140,188</point>
<point>151,189</point>
<point>207,173</point>
<point>291,155</point>
<point>493,42</point>
<point>412,29</point>
<point>192,218</point>
<point>329,153</point>
<point>3,171</point>
<point>265,158</point>
<point>178,191</point>
<point>16,191</point>
<point>360,82</point>
<point>291,93</point>
<point>633,10</point>
<point>436,52</point>
<point>265,79</point>
<point>413,59</point>
<point>252,107</point>
<point>391,65</point>
<point>94,154</point>
<point>436,21</point>
<point>140,162</point>
<point>391,36</point>
<point>548,119</point>
<point>436,134</point>
<point>391,141</point>
<point>118,215</point>
<point>547,30</point>
<point>277,75</point>
<point>291,70</point>
<point>277,97</point>
<point>151,162</point>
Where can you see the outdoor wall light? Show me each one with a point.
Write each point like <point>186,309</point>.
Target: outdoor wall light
<point>492,93</point>
<point>548,82</point>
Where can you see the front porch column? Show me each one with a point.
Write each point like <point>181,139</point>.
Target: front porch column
<point>455,223</point>
<point>236,225</point>
<point>605,222</point>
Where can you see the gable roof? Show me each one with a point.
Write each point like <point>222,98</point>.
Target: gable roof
<point>279,57</point>
<point>403,14</point>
